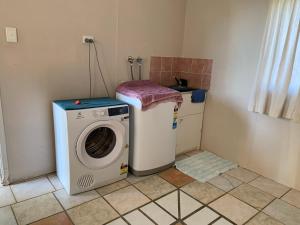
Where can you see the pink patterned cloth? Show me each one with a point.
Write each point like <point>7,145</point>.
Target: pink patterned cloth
<point>149,93</point>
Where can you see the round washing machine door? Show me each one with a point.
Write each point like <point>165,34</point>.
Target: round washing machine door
<point>100,144</point>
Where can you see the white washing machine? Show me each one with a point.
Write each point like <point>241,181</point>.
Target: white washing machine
<point>152,129</point>
<point>91,141</point>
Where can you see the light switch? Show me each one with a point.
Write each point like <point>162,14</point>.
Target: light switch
<point>11,34</point>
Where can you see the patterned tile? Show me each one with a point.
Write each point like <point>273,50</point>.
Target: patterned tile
<point>225,182</point>
<point>234,209</point>
<point>126,199</point>
<point>112,187</point>
<point>70,201</point>
<point>170,203</point>
<point>58,219</point>
<point>94,212</point>
<point>204,216</point>
<point>283,212</point>
<point>36,208</point>
<point>154,187</point>
<point>203,192</point>
<point>269,186</point>
<point>242,174</point>
<point>137,218</point>
<point>7,216</point>
<point>188,204</point>
<point>176,177</point>
<point>292,197</point>
<point>55,181</point>
<point>32,188</point>
<point>6,196</point>
<point>263,219</point>
<point>252,195</point>
<point>157,214</point>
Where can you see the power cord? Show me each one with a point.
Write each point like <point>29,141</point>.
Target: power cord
<point>99,67</point>
<point>91,41</point>
<point>90,72</point>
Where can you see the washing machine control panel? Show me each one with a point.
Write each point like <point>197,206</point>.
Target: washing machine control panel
<point>118,111</point>
<point>100,113</point>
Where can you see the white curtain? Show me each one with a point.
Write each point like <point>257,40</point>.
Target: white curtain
<point>277,86</point>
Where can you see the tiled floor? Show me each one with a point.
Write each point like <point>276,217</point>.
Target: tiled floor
<point>239,196</point>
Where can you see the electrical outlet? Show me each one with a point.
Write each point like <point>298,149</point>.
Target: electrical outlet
<point>87,37</point>
<point>11,34</point>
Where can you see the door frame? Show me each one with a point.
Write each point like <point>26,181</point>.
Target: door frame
<point>4,175</point>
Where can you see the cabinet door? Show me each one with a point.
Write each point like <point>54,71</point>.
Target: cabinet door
<point>188,133</point>
<point>189,108</point>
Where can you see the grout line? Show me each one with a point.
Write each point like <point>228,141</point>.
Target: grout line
<point>11,208</point>
<point>165,210</point>
<point>147,216</point>
<point>51,183</point>
<point>64,210</point>
<point>285,194</point>
<point>13,194</point>
<point>179,204</point>
<point>215,220</point>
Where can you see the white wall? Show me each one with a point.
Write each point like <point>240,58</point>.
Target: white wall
<point>230,32</point>
<point>50,62</point>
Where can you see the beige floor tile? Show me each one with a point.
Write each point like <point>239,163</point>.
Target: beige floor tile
<point>118,221</point>
<point>269,186</point>
<point>188,204</point>
<point>57,219</point>
<point>55,181</point>
<point>222,221</point>
<point>203,192</point>
<point>154,187</point>
<point>36,208</point>
<point>170,203</point>
<point>134,179</point>
<point>292,197</point>
<point>6,196</point>
<point>138,218</point>
<point>242,174</point>
<point>112,187</point>
<point>252,195</point>
<point>7,216</point>
<point>70,201</point>
<point>203,217</point>
<point>32,188</point>
<point>157,214</point>
<point>283,212</point>
<point>263,219</point>
<point>234,209</point>
<point>95,212</point>
<point>225,182</point>
<point>126,199</point>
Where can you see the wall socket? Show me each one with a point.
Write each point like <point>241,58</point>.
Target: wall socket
<point>86,37</point>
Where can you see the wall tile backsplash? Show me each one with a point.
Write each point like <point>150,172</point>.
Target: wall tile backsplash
<point>163,70</point>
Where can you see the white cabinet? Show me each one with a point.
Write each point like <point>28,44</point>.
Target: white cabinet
<point>189,125</point>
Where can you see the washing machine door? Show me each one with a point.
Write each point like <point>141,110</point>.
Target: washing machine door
<point>100,144</point>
